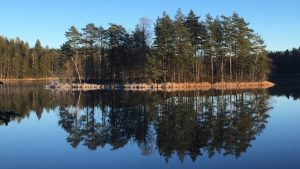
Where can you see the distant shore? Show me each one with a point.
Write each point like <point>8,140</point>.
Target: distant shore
<point>29,79</point>
<point>164,86</point>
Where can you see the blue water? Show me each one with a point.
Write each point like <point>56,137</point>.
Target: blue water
<point>32,142</point>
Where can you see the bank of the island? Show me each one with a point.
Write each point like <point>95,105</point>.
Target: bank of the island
<point>14,80</point>
<point>161,86</point>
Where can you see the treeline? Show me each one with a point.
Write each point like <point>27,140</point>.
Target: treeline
<point>179,49</point>
<point>286,62</point>
<point>18,60</point>
<point>183,49</point>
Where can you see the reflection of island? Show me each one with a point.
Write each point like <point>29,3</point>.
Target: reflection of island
<point>7,116</point>
<point>183,124</point>
<point>211,124</point>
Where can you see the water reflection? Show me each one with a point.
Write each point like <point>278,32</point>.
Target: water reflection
<point>182,124</point>
<point>7,116</point>
<point>287,90</point>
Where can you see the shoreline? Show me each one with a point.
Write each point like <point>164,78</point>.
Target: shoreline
<point>164,86</point>
<point>29,79</point>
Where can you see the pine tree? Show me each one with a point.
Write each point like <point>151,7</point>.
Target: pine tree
<point>118,41</point>
<point>217,37</point>
<point>74,39</point>
<point>89,39</point>
<point>140,49</point>
<point>101,45</point>
<point>243,37</point>
<point>209,47</point>
<point>184,50</point>
<point>260,61</point>
<point>194,26</point>
<point>228,37</point>
<point>164,48</point>
<point>154,68</point>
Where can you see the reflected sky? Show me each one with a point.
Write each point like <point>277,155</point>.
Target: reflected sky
<point>40,141</point>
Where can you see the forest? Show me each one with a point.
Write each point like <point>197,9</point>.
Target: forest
<point>285,67</point>
<point>180,49</point>
<point>18,60</point>
<point>286,62</point>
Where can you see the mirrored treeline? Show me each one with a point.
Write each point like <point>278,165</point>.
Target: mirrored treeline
<point>183,124</point>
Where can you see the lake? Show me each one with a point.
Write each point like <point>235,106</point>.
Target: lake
<point>124,129</point>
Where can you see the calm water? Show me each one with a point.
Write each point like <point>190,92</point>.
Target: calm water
<point>105,130</point>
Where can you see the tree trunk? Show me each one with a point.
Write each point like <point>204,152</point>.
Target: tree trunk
<point>212,69</point>
<point>222,70</point>
<point>230,67</point>
<point>77,69</point>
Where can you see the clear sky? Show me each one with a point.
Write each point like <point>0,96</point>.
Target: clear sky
<point>277,21</point>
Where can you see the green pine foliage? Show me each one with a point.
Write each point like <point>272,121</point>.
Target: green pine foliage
<point>215,50</point>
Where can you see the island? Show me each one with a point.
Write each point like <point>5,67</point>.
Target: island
<point>179,53</point>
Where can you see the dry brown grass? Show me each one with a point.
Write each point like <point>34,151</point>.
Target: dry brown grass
<point>170,86</point>
<point>29,79</point>
<point>242,85</point>
<point>199,86</point>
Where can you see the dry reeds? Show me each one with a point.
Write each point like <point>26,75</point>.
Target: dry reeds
<point>29,79</point>
<point>168,86</point>
<point>198,86</point>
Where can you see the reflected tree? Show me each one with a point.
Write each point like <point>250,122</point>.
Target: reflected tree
<point>180,124</point>
<point>175,124</point>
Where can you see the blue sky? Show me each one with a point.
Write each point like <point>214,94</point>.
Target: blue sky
<point>277,21</point>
